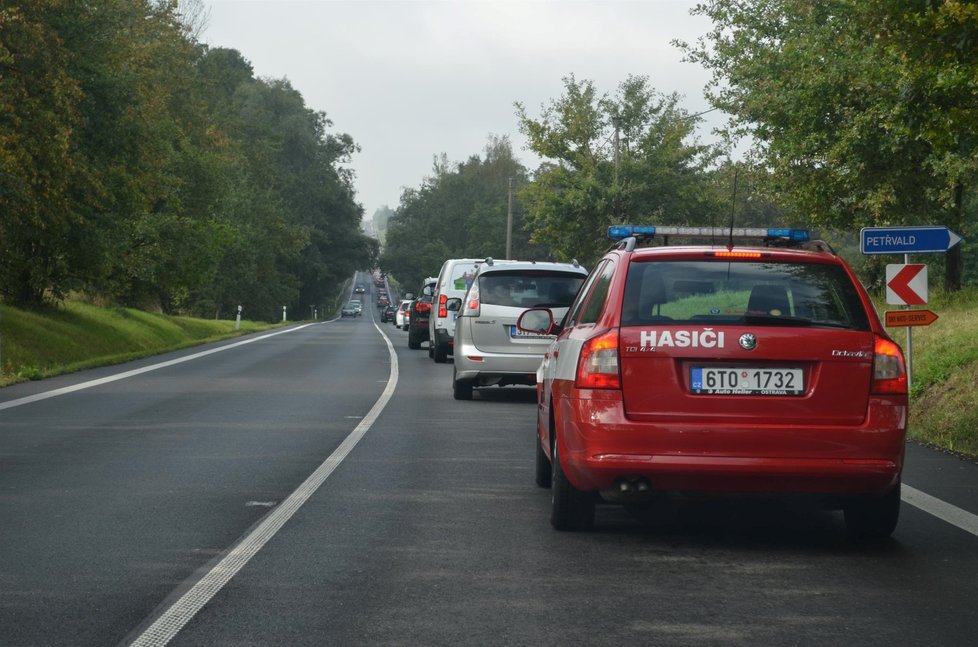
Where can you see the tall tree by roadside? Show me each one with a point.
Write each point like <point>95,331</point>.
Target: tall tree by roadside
<point>608,159</point>
<point>864,111</point>
<point>139,167</point>
<point>39,110</point>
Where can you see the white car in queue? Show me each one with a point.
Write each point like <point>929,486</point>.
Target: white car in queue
<point>402,314</point>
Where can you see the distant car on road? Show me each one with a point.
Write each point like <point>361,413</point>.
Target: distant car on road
<point>403,313</point>
<point>349,310</point>
<point>388,314</point>
<point>420,312</point>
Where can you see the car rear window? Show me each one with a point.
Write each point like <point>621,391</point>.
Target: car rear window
<point>529,288</point>
<point>711,292</point>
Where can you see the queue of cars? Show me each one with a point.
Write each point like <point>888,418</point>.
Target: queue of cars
<point>753,367</point>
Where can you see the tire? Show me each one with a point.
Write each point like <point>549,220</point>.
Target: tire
<point>544,471</point>
<point>873,518</point>
<point>461,389</point>
<point>431,350</point>
<point>440,354</point>
<point>570,508</point>
<point>414,343</point>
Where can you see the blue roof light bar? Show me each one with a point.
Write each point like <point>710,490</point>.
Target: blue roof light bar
<point>618,232</point>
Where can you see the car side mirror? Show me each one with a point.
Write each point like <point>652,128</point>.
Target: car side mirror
<point>536,320</point>
<point>454,304</point>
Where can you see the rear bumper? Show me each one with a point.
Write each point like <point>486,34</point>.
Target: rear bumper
<point>600,446</point>
<point>513,368</point>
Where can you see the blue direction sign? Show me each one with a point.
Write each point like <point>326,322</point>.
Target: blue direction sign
<point>906,240</point>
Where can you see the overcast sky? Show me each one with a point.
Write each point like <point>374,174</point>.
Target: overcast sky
<point>411,79</point>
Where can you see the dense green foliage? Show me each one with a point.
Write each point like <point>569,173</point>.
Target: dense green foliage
<point>607,160</point>
<point>138,166</point>
<point>865,112</point>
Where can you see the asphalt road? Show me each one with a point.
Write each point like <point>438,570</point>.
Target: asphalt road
<point>123,500</point>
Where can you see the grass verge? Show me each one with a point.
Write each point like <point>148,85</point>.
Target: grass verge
<point>943,409</point>
<point>75,336</point>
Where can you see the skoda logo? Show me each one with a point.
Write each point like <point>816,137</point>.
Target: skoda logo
<point>748,341</point>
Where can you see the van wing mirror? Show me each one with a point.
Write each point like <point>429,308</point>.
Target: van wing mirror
<point>454,304</point>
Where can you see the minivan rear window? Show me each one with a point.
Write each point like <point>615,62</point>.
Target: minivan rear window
<point>711,292</point>
<point>529,288</point>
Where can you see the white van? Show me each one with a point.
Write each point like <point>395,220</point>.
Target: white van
<point>454,279</point>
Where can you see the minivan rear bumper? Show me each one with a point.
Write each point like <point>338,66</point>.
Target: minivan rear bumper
<point>474,364</point>
<point>600,447</point>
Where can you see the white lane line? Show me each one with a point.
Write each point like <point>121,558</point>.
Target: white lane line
<point>941,509</point>
<point>137,371</point>
<point>173,619</point>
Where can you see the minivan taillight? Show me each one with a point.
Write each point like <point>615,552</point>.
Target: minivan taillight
<point>597,365</point>
<point>889,369</point>
<point>472,306</point>
<point>443,305</point>
<point>423,306</point>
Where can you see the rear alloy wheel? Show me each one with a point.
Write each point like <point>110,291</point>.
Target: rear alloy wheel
<point>571,509</point>
<point>461,389</point>
<point>871,517</point>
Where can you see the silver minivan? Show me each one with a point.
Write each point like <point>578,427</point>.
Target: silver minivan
<point>489,349</point>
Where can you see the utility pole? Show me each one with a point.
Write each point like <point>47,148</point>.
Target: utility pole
<point>616,122</point>
<point>509,221</point>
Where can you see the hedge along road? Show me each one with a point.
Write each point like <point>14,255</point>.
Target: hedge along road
<point>128,494</point>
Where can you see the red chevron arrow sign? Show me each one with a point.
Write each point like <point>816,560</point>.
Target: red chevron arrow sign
<point>906,285</point>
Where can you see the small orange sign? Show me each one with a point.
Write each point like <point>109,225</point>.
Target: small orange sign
<point>910,317</point>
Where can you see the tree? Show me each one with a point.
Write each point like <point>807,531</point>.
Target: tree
<point>607,159</point>
<point>865,112</point>
<point>39,110</point>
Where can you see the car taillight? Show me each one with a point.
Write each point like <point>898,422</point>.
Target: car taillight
<point>423,306</point>
<point>442,305</point>
<point>597,365</point>
<point>472,306</point>
<point>889,369</point>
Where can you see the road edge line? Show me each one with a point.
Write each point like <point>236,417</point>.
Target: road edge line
<point>941,509</point>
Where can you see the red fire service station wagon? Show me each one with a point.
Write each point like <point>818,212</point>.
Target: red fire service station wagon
<point>721,368</point>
